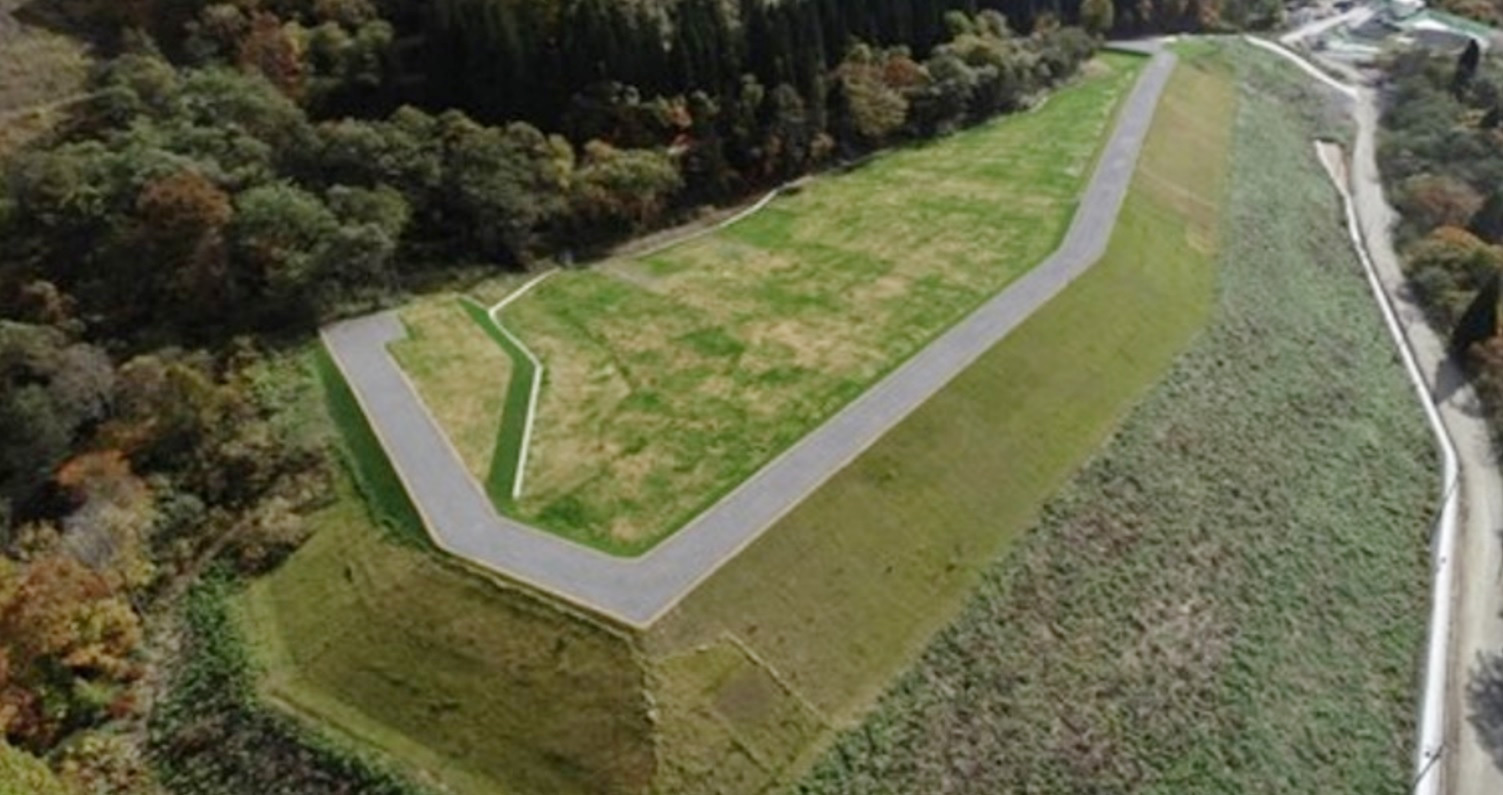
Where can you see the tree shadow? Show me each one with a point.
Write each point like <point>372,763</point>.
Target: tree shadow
<point>1484,695</point>
<point>1450,377</point>
<point>60,16</point>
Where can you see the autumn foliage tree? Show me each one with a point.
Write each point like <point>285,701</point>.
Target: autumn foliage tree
<point>67,641</point>
<point>107,529</point>
<point>624,186</point>
<point>269,49</point>
<point>875,104</point>
<point>1429,201</point>
<point>181,220</point>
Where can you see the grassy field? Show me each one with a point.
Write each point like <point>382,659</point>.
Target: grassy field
<point>672,378</point>
<point>370,473</point>
<point>1231,598</point>
<point>846,590</point>
<point>744,680</point>
<point>460,372</point>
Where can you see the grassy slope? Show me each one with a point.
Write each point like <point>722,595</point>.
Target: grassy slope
<point>462,680</point>
<point>840,595</point>
<point>745,678</point>
<point>370,472</point>
<point>501,475</point>
<point>672,379</point>
<point>460,373</point>
<point>1231,598</point>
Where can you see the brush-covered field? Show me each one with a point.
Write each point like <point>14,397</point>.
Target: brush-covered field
<point>674,376</point>
<point>1232,596</point>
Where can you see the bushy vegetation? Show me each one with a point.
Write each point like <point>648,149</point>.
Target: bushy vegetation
<point>212,735</point>
<point>233,173</point>
<point>556,60</point>
<point>1489,12</point>
<point>1441,158</point>
<point>1206,607</point>
<point>41,71</point>
<point>117,481</point>
<point>203,197</point>
<point>23,774</point>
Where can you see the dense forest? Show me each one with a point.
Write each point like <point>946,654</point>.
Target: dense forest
<point>238,172</point>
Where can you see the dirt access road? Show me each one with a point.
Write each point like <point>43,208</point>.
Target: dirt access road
<point>461,520</point>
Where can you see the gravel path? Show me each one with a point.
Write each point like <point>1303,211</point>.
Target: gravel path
<point>461,519</point>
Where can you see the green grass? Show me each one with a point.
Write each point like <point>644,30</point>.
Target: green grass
<point>1231,597</point>
<point>506,453</point>
<point>210,735</point>
<point>466,683</point>
<point>365,459</point>
<point>741,684</point>
<point>671,379</point>
<point>461,375</point>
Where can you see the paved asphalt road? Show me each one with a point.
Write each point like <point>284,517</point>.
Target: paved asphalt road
<point>636,591</point>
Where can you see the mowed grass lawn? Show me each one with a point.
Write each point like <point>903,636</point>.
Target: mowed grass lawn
<point>672,378</point>
<point>1232,597</point>
<point>797,636</point>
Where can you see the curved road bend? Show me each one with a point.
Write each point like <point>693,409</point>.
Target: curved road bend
<point>462,521</point>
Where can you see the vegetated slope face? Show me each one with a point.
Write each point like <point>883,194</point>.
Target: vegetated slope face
<point>837,598</point>
<point>377,640</point>
<point>481,688</point>
<point>673,378</point>
<point>1232,596</point>
<point>461,374</point>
